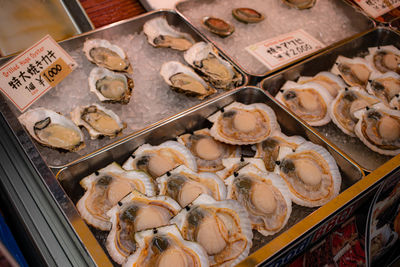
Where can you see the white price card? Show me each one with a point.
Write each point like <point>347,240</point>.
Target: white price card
<point>285,48</point>
<point>28,76</point>
<point>376,8</point>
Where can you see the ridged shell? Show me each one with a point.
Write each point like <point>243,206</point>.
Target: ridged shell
<point>376,54</point>
<point>384,86</point>
<point>234,164</point>
<point>346,68</point>
<point>300,4</point>
<point>395,102</point>
<point>331,82</point>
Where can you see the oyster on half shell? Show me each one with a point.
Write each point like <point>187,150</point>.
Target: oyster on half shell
<point>384,86</point>
<point>354,71</point>
<point>218,26</point>
<point>384,58</point>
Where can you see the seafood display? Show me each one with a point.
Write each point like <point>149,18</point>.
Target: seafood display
<point>218,26</point>
<point>247,15</point>
<point>384,58</point>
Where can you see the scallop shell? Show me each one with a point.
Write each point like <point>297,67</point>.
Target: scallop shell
<point>203,221</point>
<point>384,86</point>
<point>300,4</point>
<point>52,129</point>
<point>114,183</point>
<point>395,102</point>
<point>241,124</point>
<point>234,164</point>
<point>389,53</point>
<point>331,82</point>
<point>354,71</point>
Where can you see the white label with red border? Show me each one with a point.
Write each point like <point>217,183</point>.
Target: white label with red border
<point>285,48</point>
<point>28,76</point>
<point>376,8</point>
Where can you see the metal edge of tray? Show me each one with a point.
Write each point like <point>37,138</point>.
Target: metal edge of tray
<point>255,78</point>
<point>78,15</point>
<point>350,168</point>
<point>299,65</point>
<point>322,215</point>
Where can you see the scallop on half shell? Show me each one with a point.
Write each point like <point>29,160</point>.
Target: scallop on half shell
<point>52,129</point>
<point>165,246</point>
<point>232,165</point>
<point>331,82</point>
<point>135,213</point>
<point>300,4</point>
<point>384,86</point>
<point>222,228</point>
<point>242,124</point>
<point>354,71</point>
<point>105,188</point>
<point>384,58</point>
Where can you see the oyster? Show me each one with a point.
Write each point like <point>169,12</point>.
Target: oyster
<point>164,246</point>
<point>218,26</point>
<point>384,58</point>
<point>215,70</point>
<point>247,15</point>
<point>110,86</point>
<point>242,124</point>
<point>52,129</point>
<point>234,164</point>
<point>106,55</point>
<point>105,188</point>
<point>184,185</point>
<point>222,228</point>
<point>135,213</point>
<point>354,71</point>
<point>98,121</point>
<point>160,34</point>
<point>345,104</point>
<point>309,101</point>
<point>184,80</point>
<point>208,152</point>
<point>157,160</point>
<point>310,173</point>
<point>300,4</point>
<point>265,196</point>
<point>379,129</point>
<point>331,82</point>
<point>385,86</point>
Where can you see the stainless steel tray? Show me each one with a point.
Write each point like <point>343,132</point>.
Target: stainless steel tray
<point>188,121</point>
<point>356,46</point>
<point>151,100</point>
<point>328,21</point>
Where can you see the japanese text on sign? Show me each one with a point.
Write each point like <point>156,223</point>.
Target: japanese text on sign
<point>278,51</point>
<point>376,8</point>
<point>35,71</point>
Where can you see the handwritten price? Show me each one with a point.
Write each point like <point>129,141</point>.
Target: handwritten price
<point>49,74</point>
<point>56,72</point>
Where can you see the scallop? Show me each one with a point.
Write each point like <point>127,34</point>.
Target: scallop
<point>184,185</point>
<point>52,129</point>
<point>183,79</point>
<point>165,246</point>
<point>384,58</point>
<point>309,101</point>
<point>208,152</point>
<point>310,173</point>
<point>160,34</point>
<point>215,70</point>
<point>222,228</point>
<point>265,196</point>
<point>135,213</point>
<point>300,4</point>
<point>384,86</point>
<point>157,160</point>
<point>106,55</point>
<point>247,15</point>
<point>354,71</point>
<point>379,129</point>
<point>110,86</point>
<point>234,164</point>
<point>103,190</point>
<point>331,82</point>
<point>98,121</point>
<point>218,26</point>
<point>242,124</point>
<point>346,103</point>
<point>395,102</point>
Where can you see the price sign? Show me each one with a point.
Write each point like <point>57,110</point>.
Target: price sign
<point>28,76</point>
<point>280,50</point>
<point>376,8</point>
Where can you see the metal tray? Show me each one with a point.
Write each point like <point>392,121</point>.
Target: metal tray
<point>384,19</point>
<point>328,21</point>
<point>188,121</point>
<point>356,46</point>
<point>151,100</point>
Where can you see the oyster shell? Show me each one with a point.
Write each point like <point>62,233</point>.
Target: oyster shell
<point>331,82</point>
<point>345,104</point>
<point>354,71</point>
<point>105,188</point>
<point>52,129</point>
<point>385,86</point>
<point>208,152</point>
<point>310,173</point>
<point>157,160</point>
<point>300,4</point>
<point>164,246</point>
<point>243,124</point>
<point>110,86</point>
<point>222,228</point>
<point>218,26</point>
<point>265,196</point>
<point>135,213</point>
<point>106,55</point>
<point>309,101</point>
<point>247,15</point>
<point>184,80</point>
<point>379,129</point>
<point>160,34</point>
<point>184,185</point>
<point>384,58</point>
<point>234,164</point>
<point>98,120</point>
<point>215,70</point>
